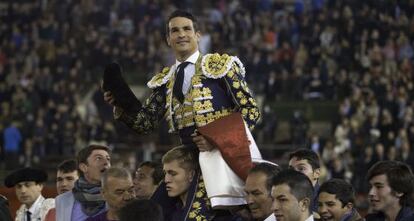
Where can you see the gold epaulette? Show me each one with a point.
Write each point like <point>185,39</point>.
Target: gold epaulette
<point>217,66</point>
<point>160,78</point>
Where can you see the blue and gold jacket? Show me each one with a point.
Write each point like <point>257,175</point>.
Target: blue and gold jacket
<point>217,89</point>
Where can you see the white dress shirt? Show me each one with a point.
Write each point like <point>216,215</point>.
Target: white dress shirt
<point>38,209</point>
<point>272,217</point>
<point>310,218</point>
<point>34,209</point>
<point>189,70</point>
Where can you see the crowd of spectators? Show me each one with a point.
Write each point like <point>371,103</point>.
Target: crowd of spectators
<point>356,53</point>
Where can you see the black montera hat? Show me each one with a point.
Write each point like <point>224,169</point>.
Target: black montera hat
<point>115,83</point>
<point>25,174</point>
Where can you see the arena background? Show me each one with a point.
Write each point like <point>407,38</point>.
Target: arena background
<point>332,76</point>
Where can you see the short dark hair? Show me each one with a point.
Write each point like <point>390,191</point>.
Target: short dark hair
<point>83,154</point>
<point>141,210</point>
<point>270,170</point>
<point>306,154</point>
<point>300,185</point>
<point>400,178</point>
<point>342,190</point>
<point>184,14</point>
<point>157,174</point>
<point>67,166</point>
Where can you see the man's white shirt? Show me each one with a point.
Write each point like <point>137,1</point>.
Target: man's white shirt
<point>189,71</point>
<point>310,218</point>
<point>271,218</point>
<point>38,209</point>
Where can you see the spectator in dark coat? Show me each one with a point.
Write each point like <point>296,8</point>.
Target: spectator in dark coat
<point>392,185</point>
<point>4,209</point>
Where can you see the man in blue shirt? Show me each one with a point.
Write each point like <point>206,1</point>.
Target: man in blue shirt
<point>12,140</point>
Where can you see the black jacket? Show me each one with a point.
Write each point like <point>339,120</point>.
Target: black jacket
<point>403,215</point>
<point>4,209</point>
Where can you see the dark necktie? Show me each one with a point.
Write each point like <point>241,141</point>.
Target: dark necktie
<point>179,79</point>
<point>28,218</point>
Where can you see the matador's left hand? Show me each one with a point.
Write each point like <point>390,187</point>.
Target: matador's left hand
<point>202,143</point>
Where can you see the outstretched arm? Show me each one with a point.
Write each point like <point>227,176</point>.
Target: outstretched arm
<point>146,119</point>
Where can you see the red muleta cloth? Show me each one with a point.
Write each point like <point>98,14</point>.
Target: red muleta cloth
<point>228,134</point>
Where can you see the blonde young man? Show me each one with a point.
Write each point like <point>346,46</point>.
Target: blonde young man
<point>182,175</point>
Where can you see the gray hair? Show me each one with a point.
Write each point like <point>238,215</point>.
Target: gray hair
<point>115,172</point>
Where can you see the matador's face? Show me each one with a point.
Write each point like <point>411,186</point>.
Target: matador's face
<point>182,37</point>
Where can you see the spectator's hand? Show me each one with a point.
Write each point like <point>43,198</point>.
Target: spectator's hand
<point>109,98</point>
<point>202,143</point>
